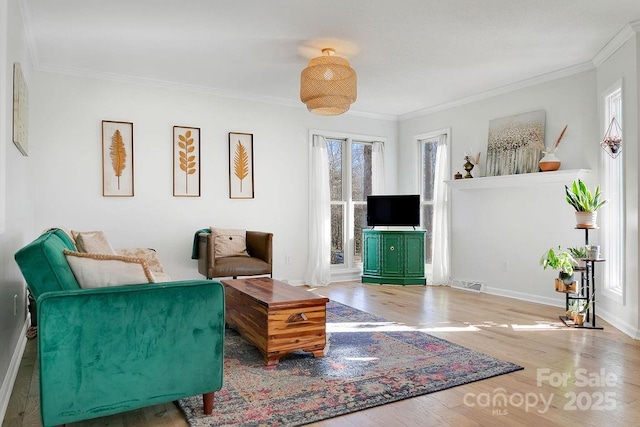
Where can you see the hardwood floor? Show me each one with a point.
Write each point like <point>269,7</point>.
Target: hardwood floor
<point>601,367</point>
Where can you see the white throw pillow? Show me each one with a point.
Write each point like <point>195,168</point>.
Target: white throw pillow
<point>92,242</point>
<point>102,270</point>
<point>229,242</point>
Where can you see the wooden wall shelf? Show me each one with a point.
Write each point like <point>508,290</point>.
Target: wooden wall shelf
<point>520,180</point>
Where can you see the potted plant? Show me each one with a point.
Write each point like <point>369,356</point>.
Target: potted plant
<point>579,254</point>
<point>579,315</point>
<point>563,261</point>
<point>585,202</point>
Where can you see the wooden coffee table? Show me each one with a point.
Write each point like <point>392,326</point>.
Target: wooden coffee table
<point>276,317</point>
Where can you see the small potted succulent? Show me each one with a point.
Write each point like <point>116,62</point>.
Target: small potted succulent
<point>564,262</point>
<point>579,254</point>
<point>585,202</point>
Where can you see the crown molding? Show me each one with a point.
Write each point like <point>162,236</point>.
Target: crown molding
<point>628,31</point>
<point>27,23</point>
<point>165,84</point>
<point>554,75</point>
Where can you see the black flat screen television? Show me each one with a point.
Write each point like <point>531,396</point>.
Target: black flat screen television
<point>393,210</point>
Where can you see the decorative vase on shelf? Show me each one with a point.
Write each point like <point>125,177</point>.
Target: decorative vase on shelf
<point>549,162</point>
<point>468,166</point>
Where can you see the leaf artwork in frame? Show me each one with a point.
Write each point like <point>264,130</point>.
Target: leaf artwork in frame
<point>117,159</point>
<point>186,161</point>
<point>241,165</point>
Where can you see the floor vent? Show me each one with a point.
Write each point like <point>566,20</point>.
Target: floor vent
<point>467,285</point>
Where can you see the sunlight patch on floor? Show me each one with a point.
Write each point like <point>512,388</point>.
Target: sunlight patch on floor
<point>468,327</point>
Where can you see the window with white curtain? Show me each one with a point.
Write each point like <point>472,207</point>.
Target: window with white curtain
<point>434,170</point>
<point>612,212</point>
<point>351,176</point>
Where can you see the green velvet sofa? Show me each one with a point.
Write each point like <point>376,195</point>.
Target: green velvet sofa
<point>109,350</point>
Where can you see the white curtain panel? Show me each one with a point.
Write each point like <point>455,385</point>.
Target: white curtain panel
<point>441,249</point>
<point>377,168</point>
<point>318,271</point>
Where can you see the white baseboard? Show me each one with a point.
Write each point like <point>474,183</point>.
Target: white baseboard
<point>12,372</point>
<point>523,296</point>
<point>622,326</point>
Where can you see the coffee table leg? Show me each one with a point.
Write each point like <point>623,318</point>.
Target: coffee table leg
<point>318,353</point>
<point>271,360</point>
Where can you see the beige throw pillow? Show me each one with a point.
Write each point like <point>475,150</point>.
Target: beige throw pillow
<point>152,259</point>
<point>92,242</point>
<point>102,270</point>
<point>229,242</point>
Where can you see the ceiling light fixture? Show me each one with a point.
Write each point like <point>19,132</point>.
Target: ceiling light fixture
<point>328,84</point>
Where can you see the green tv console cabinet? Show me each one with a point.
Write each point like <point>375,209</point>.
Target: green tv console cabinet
<point>393,257</point>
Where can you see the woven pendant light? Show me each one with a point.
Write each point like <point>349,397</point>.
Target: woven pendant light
<point>328,84</point>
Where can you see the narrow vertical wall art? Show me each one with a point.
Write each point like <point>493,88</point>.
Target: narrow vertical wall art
<point>240,165</point>
<point>186,161</point>
<point>117,159</point>
<point>20,110</point>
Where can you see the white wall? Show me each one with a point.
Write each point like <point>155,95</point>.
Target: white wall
<point>16,210</point>
<point>66,164</point>
<point>624,64</point>
<point>512,227</point>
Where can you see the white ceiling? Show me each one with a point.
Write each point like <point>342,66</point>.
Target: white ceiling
<point>409,55</point>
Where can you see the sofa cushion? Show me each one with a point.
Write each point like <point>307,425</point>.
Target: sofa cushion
<point>229,242</point>
<point>93,242</point>
<point>93,270</point>
<point>152,259</point>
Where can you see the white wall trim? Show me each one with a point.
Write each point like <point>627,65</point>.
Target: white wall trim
<point>12,372</point>
<point>555,302</point>
<point>554,75</point>
<point>614,320</point>
<point>616,42</point>
<point>610,318</point>
<point>165,84</point>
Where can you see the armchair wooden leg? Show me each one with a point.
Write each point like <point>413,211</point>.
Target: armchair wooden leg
<point>207,400</point>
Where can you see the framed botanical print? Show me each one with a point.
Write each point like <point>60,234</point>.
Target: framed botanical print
<point>240,165</point>
<point>117,159</point>
<point>186,161</point>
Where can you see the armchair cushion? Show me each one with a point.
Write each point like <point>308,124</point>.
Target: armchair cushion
<point>259,261</point>
<point>93,270</point>
<point>229,242</point>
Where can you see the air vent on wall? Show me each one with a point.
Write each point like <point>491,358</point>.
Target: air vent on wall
<point>467,285</point>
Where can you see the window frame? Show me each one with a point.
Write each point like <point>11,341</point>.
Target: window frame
<point>613,187</point>
<point>349,265</point>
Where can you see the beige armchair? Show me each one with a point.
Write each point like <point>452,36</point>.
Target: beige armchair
<point>259,261</point>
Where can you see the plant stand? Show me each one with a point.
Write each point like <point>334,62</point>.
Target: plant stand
<point>587,290</point>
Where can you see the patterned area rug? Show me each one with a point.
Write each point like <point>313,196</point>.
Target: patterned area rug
<point>367,364</point>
